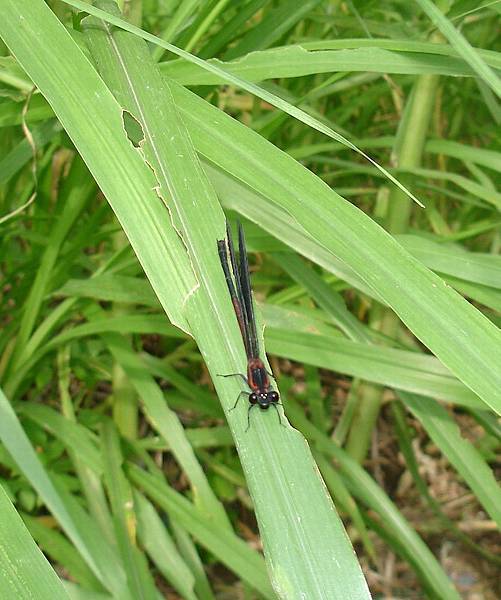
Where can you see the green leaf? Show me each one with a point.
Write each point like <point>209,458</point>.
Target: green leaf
<point>112,288</point>
<point>274,24</point>
<point>26,573</point>
<point>299,61</point>
<point>102,547</point>
<point>23,152</point>
<point>400,369</point>
<point>123,176</point>
<point>167,423</point>
<point>76,592</point>
<point>325,297</point>
<point>74,436</point>
<point>60,550</point>
<point>484,269</point>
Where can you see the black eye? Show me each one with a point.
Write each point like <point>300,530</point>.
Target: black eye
<point>253,398</point>
<point>273,397</point>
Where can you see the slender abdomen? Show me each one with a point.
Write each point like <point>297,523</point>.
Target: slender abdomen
<point>257,376</point>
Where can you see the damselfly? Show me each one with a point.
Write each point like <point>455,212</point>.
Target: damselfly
<point>238,281</point>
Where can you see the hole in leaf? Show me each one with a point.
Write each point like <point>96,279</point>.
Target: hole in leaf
<point>133,129</point>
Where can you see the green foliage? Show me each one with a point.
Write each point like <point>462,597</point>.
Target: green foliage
<point>115,313</point>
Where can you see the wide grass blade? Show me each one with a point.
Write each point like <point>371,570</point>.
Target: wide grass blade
<point>400,369</point>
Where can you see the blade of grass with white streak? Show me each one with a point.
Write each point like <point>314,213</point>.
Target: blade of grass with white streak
<point>274,100</point>
<point>26,573</point>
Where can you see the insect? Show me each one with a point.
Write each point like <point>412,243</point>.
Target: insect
<point>239,286</point>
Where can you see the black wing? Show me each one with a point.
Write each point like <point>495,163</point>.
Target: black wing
<point>226,247</point>
<point>246,296</point>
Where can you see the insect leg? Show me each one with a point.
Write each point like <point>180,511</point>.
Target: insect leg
<point>238,398</point>
<point>278,413</point>
<point>248,416</point>
<point>235,375</point>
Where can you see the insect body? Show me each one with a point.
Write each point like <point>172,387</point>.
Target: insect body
<point>239,287</point>
<point>259,382</point>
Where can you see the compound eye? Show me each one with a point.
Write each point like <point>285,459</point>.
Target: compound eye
<point>253,398</point>
<point>273,396</point>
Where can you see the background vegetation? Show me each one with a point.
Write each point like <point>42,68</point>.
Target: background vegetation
<point>324,127</point>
